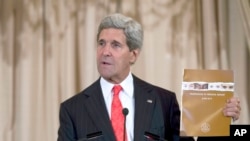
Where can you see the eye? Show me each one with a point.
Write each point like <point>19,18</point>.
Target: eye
<point>101,43</point>
<point>116,44</point>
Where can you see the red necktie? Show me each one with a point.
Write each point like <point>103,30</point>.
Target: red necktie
<point>117,118</point>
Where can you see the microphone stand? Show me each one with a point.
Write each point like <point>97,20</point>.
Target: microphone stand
<point>125,113</point>
<point>124,131</point>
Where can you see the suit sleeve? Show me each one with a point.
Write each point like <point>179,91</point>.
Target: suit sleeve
<point>66,128</point>
<point>171,112</point>
<point>175,118</point>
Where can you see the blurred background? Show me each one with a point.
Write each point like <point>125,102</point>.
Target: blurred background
<point>47,52</point>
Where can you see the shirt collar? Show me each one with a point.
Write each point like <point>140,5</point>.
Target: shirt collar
<point>127,85</point>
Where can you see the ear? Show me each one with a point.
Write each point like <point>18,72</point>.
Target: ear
<point>134,55</point>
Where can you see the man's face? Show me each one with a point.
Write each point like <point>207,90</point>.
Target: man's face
<point>113,55</point>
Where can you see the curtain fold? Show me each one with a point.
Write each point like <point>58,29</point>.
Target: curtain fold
<point>7,72</point>
<point>214,34</point>
<point>244,6</point>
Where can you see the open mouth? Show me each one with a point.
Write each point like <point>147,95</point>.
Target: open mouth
<point>105,63</point>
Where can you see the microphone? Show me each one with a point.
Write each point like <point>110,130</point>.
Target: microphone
<point>125,113</point>
<point>153,137</point>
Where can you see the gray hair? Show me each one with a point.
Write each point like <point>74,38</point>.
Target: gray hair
<point>132,29</point>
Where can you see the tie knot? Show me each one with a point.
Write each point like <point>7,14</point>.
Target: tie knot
<point>117,89</point>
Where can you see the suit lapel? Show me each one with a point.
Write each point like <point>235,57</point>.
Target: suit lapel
<point>97,110</point>
<point>144,104</point>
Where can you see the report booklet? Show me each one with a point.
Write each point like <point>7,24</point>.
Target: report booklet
<point>204,95</point>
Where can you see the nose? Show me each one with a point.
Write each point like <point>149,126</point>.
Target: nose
<point>106,50</point>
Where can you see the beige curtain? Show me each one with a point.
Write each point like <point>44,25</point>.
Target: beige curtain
<point>47,53</point>
<point>245,14</point>
<point>239,53</point>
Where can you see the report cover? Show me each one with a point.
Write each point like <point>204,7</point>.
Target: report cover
<point>204,95</point>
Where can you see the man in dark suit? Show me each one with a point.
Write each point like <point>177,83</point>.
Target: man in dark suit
<point>153,112</point>
<point>150,109</point>
<point>156,111</point>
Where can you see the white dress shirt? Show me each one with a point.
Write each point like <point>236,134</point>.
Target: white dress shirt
<point>127,99</point>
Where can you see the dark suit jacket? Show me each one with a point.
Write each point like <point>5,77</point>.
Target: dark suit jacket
<point>86,113</point>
